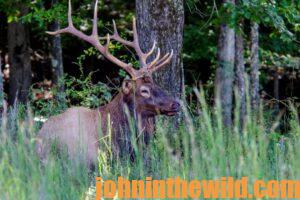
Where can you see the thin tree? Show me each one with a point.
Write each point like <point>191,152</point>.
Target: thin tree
<point>19,58</point>
<point>1,87</point>
<point>240,69</point>
<point>225,70</point>
<point>254,65</point>
<point>276,77</point>
<point>57,59</point>
<point>162,21</point>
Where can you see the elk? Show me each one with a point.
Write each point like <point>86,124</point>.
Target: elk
<point>139,97</point>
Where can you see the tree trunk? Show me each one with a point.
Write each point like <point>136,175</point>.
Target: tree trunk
<point>240,73</point>
<point>19,57</point>
<point>276,91</point>
<point>225,70</point>
<point>1,89</point>
<point>254,76</point>
<point>162,21</point>
<point>57,60</point>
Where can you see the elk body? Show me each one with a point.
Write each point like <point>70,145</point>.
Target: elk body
<point>79,129</point>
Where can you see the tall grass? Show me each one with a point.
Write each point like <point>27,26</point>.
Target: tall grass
<point>200,148</point>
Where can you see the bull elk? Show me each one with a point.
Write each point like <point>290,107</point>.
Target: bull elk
<point>139,97</point>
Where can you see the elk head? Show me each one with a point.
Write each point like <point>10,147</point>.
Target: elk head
<point>147,98</point>
<point>140,92</point>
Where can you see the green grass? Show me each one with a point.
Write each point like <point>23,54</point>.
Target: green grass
<point>201,148</point>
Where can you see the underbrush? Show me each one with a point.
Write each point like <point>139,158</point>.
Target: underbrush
<point>199,148</point>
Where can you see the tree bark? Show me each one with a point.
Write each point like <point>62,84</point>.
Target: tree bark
<point>57,61</point>
<point>240,72</point>
<point>254,65</point>
<point>276,91</point>
<point>1,89</point>
<point>225,70</point>
<point>162,21</point>
<point>19,57</point>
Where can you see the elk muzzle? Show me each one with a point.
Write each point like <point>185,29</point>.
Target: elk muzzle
<point>170,109</point>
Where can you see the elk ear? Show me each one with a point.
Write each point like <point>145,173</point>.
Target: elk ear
<point>127,86</point>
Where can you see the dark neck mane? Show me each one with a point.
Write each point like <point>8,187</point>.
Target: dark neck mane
<point>119,124</point>
<point>119,118</point>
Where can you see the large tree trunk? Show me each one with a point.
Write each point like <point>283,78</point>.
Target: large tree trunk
<point>254,76</point>
<point>19,57</point>
<point>57,60</point>
<point>240,73</point>
<point>162,21</point>
<point>225,70</point>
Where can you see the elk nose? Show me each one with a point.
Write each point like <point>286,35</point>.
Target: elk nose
<point>175,105</point>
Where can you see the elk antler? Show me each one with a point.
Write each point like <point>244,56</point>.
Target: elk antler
<point>135,45</point>
<point>93,39</point>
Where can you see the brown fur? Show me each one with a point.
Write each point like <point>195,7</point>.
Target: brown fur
<point>80,129</point>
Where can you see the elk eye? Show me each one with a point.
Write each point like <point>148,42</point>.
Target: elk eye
<point>145,92</point>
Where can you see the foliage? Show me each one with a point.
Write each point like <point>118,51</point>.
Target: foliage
<point>13,8</point>
<point>83,92</point>
<point>42,16</point>
<point>279,32</point>
<point>78,92</point>
<point>281,17</point>
<point>284,60</point>
<point>201,148</point>
<point>279,35</point>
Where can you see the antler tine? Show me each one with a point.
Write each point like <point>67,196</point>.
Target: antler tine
<point>134,44</point>
<point>93,39</point>
<point>115,28</point>
<point>137,47</point>
<point>162,59</point>
<point>152,49</point>
<point>158,61</point>
<point>70,21</point>
<point>70,28</point>
<point>143,56</point>
<point>107,43</point>
<point>155,60</point>
<point>162,62</point>
<point>127,67</point>
<point>95,21</point>
<point>117,37</point>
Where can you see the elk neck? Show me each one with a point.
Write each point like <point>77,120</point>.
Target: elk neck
<point>119,108</point>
